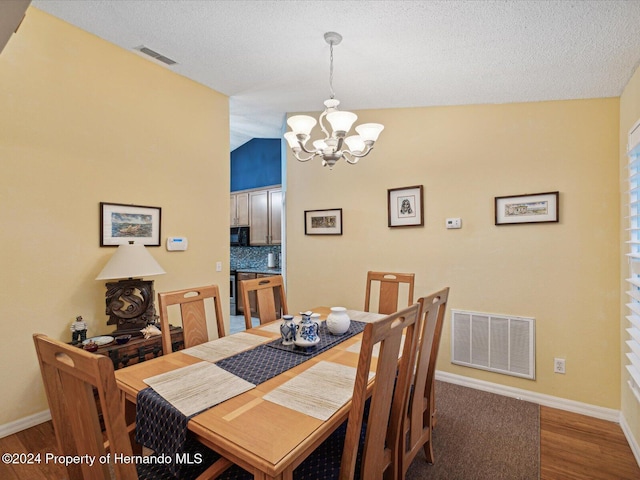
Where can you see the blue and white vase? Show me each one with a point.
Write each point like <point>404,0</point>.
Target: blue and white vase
<point>288,330</point>
<point>308,329</point>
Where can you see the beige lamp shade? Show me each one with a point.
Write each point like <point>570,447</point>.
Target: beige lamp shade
<point>130,260</point>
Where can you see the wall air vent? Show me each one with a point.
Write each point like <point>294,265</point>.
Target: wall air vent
<point>155,55</point>
<point>498,343</point>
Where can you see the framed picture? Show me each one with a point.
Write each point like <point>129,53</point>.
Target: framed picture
<point>121,223</point>
<point>528,208</point>
<point>405,206</point>
<point>323,222</point>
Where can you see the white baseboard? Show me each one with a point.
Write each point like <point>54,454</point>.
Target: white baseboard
<point>539,398</point>
<point>635,448</point>
<point>24,423</point>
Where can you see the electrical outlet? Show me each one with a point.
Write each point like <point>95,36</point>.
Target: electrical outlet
<point>559,365</point>
<point>218,266</point>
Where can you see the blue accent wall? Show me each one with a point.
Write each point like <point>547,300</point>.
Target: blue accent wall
<point>256,164</point>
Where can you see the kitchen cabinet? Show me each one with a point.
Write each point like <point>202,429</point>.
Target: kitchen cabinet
<point>239,211</point>
<point>265,216</point>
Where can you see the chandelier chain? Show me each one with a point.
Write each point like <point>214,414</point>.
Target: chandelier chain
<point>333,94</point>
<point>336,144</point>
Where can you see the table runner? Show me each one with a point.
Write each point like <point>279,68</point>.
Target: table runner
<point>269,360</point>
<point>327,340</point>
<point>163,428</point>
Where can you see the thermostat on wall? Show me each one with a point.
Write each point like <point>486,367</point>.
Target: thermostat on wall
<point>177,243</point>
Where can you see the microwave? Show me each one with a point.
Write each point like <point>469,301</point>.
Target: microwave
<point>239,237</point>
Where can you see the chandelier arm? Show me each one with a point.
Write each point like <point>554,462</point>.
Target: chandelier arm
<point>304,149</point>
<point>300,159</point>
<point>321,123</point>
<point>361,154</point>
<point>346,154</point>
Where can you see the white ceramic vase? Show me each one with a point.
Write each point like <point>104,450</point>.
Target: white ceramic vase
<point>338,320</point>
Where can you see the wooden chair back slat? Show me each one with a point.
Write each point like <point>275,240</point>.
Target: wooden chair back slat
<point>266,289</point>
<point>193,313</point>
<point>388,399</point>
<point>70,376</point>
<point>418,423</point>
<point>389,290</point>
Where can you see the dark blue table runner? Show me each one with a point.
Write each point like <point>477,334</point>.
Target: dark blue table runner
<point>163,428</point>
<point>271,359</point>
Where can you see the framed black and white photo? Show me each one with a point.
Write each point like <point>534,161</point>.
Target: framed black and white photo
<point>527,208</point>
<point>405,206</point>
<point>120,223</point>
<point>323,222</point>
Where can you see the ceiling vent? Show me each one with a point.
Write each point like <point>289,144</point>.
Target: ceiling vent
<point>155,55</point>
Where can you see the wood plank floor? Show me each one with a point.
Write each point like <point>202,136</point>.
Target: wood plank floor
<point>572,447</point>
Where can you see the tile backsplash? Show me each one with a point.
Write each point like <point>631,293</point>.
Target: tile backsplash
<point>252,257</point>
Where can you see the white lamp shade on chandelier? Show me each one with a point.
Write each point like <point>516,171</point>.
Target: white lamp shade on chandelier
<point>335,145</point>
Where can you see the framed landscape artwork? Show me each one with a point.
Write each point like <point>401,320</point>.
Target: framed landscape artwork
<point>527,208</point>
<point>405,206</point>
<point>120,223</point>
<point>323,222</point>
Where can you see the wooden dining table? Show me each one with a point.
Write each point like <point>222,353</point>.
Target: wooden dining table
<point>265,438</point>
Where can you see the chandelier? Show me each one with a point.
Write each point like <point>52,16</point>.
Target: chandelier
<point>336,145</point>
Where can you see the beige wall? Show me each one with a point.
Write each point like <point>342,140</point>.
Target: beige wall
<point>629,114</point>
<point>83,121</point>
<point>566,275</point>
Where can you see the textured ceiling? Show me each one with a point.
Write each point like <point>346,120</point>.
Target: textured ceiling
<point>270,57</point>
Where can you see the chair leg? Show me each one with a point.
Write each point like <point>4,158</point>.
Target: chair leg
<point>428,451</point>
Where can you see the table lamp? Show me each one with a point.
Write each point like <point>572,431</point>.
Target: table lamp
<point>129,301</point>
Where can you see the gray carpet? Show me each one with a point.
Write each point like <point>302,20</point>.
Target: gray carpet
<point>481,435</point>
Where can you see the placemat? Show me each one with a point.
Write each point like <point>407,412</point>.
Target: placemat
<point>319,391</point>
<point>273,327</point>
<point>197,387</point>
<point>355,348</point>
<point>225,347</point>
<point>366,317</point>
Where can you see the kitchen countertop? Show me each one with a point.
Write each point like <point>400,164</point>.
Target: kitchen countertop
<point>266,270</point>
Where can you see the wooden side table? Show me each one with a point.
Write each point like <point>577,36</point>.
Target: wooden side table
<point>139,349</point>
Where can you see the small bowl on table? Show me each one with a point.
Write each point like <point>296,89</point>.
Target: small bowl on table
<point>122,339</point>
<point>91,347</point>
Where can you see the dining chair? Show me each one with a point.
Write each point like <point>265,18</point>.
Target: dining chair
<point>268,291</point>
<point>377,432</point>
<point>366,445</point>
<point>418,423</point>
<point>71,375</point>
<point>388,290</point>
<point>193,313</point>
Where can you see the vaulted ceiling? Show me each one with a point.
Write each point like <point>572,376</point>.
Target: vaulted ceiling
<point>270,57</point>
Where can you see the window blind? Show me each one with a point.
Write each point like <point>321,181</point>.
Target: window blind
<point>633,255</point>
